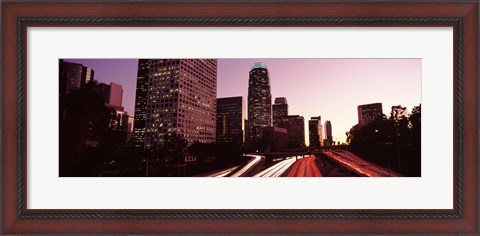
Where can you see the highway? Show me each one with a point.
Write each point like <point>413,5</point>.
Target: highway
<point>358,165</point>
<point>305,167</point>
<point>277,169</point>
<point>223,173</point>
<point>252,164</point>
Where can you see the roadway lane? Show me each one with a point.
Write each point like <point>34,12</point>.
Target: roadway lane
<point>223,173</point>
<point>254,163</point>
<point>358,165</point>
<point>305,167</point>
<point>277,169</point>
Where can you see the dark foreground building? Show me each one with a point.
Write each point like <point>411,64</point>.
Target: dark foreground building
<point>280,112</point>
<point>369,112</point>
<point>315,131</point>
<point>328,133</point>
<point>275,138</point>
<point>230,119</point>
<point>296,131</point>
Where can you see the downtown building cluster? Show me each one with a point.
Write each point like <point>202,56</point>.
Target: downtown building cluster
<point>74,76</point>
<point>271,124</point>
<point>179,96</point>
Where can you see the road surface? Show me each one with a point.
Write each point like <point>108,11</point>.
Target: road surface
<point>277,169</point>
<point>305,167</point>
<point>358,165</point>
<point>223,173</point>
<point>254,163</point>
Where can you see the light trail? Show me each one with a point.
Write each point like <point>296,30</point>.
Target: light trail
<point>249,165</point>
<point>277,169</point>
<point>223,173</point>
<point>359,165</point>
<point>305,167</point>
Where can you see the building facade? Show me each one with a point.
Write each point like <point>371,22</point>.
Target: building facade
<point>115,95</point>
<point>296,131</point>
<point>315,133</point>
<point>180,99</point>
<point>72,76</point>
<point>230,119</point>
<point>259,101</point>
<point>369,112</point>
<point>140,115</point>
<point>275,138</point>
<point>280,112</point>
<point>328,134</point>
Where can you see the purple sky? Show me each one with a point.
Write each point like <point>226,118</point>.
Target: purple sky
<point>330,88</point>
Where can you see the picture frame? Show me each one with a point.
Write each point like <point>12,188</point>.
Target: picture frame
<point>18,16</point>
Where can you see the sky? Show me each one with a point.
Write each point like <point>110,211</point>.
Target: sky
<point>330,88</point>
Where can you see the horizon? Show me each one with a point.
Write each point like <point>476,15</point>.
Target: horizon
<point>330,88</point>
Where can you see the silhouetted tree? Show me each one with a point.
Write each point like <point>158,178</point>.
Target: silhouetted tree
<point>390,142</point>
<point>175,147</point>
<point>84,123</point>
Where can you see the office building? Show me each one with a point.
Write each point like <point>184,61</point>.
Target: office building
<point>328,134</point>
<point>230,119</point>
<point>72,76</point>
<point>280,111</point>
<point>115,94</point>
<point>296,131</point>
<point>140,115</point>
<point>259,100</point>
<point>315,131</point>
<point>369,112</point>
<point>275,138</point>
<point>180,99</point>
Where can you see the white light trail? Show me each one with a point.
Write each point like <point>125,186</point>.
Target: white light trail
<point>277,169</point>
<point>244,169</point>
<point>223,173</point>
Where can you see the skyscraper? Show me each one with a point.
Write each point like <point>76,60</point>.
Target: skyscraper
<point>280,111</point>
<point>230,119</point>
<point>296,131</point>
<point>116,94</point>
<point>328,134</point>
<point>180,98</point>
<point>369,112</point>
<point>315,131</point>
<point>139,124</point>
<point>72,76</point>
<point>259,100</point>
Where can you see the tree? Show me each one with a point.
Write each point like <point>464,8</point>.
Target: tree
<point>175,147</point>
<point>83,124</point>
<point>390,142</point>
<point>398,113</point>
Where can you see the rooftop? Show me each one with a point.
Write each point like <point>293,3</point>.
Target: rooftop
<point>259,65</point>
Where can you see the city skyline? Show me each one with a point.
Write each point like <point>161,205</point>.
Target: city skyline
<point>330,88</point>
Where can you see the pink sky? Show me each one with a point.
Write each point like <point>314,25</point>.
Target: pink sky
<point>331,88</point>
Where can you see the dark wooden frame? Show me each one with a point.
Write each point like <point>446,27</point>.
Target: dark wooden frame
<point>462,16</point>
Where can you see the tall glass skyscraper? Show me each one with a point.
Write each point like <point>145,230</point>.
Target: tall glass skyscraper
<point>141,103</point>
<point>180,98</point>
<point>259,100</point>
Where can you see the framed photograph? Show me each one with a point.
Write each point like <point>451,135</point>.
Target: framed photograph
<point>123,117</point>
